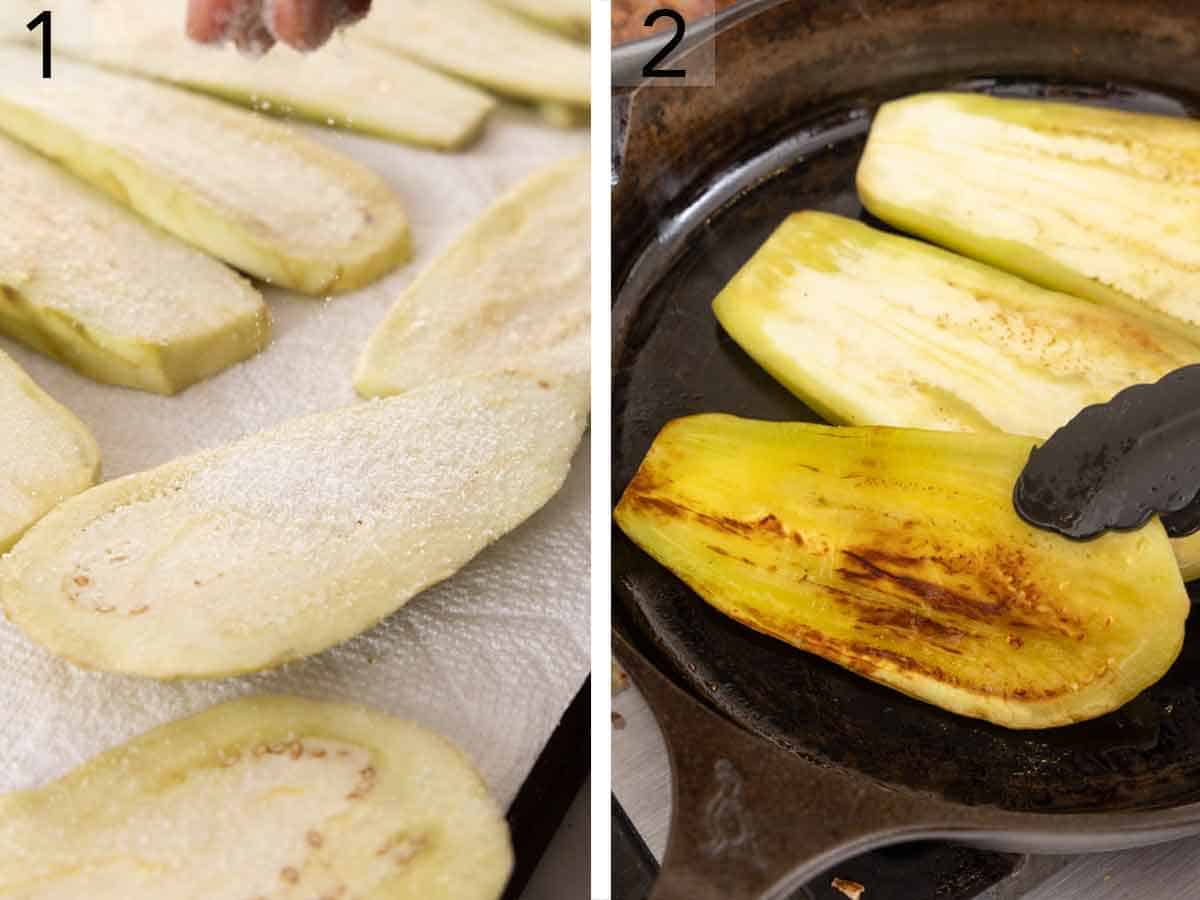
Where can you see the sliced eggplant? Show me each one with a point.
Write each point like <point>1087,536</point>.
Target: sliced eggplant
<point>262,797</point>
<point>478,41</point>
<point>869,328</point>
<point>360,89</point>
<point>285,543</point>
<point>897,554</point>
<point>46,454</point>
<point>1099,203</point>
<point>239,186</point>
<point>512,293</point>
<point>92,285</point>
<point>571,17</point>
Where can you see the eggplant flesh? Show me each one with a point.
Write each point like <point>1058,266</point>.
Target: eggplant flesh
<point>870,328</point>
<point>1103,204</point>
<point>896,553</point>
<point>265,796</point>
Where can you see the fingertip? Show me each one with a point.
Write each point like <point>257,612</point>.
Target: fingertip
<point>208,19</point>
<point>255,40</point>
<point>301,24</point>
<point>355,10</point>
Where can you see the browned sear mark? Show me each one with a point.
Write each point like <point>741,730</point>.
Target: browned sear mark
<point>1005,592</point>
<point>769,524</point>
<point>290,875</point>
<point>936,595</point>
<point>314,840</point>
<point>721,551</point>
<point>909,620</point>
<point>867,659</point>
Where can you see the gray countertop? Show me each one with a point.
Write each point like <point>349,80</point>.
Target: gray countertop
<point>641,783</point>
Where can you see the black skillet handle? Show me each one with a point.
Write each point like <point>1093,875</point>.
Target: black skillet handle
<point>752,821</point>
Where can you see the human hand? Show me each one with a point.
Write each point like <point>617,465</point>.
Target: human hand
<point>255,25</point>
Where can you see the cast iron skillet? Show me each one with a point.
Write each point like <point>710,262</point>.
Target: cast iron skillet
<point>826,764</point>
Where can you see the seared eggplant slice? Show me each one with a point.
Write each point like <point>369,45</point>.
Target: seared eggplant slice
<point>1099,203</point>
<point>869,328</point>
<point>262,797</point>
<point>897,554</point>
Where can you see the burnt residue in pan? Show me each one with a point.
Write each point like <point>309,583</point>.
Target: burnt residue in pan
<point>672,359</point>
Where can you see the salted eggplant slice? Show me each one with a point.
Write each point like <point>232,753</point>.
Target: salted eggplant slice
<point>46,453</point>
<point>365,90</point>
<point>92,285</point>
<point>1100,203</point>
<point>262,797</point>
<point>511,294</point>
<point>485,45</point>
<point>285,543</point>
<point>897,554</point>
<point>870,328</point>
<point>571,17</point>
<point>243,188</point>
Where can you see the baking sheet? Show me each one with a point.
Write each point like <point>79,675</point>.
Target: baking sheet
<point>490,658</point>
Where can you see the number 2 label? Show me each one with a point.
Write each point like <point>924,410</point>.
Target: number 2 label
<point>651,70</point>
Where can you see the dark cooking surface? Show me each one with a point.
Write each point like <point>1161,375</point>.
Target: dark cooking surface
<point>672,359</point>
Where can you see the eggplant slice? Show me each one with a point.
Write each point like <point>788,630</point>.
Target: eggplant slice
<point>262,797</point>
<point>512,293</point>
<point>365,90</point>
<point>870,328</point>
<point>46,453</point>
<point>91,284</point>
<point>239,186</point>
<point>1100,203</point>
<point>287,542</point>
<point>897,554</point>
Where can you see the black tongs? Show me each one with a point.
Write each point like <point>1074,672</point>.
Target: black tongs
<point>1116,464</point>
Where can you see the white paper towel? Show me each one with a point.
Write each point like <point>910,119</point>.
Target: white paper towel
<point>490,658</point>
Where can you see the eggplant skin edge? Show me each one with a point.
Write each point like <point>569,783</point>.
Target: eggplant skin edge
<point>971,623</point>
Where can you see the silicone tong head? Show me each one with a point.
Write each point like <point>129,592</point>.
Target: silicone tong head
<point>1116,464</point>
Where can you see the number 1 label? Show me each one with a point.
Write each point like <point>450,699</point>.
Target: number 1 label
<point>42,20</point>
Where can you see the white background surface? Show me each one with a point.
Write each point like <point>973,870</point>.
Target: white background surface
<point>490,658</point>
